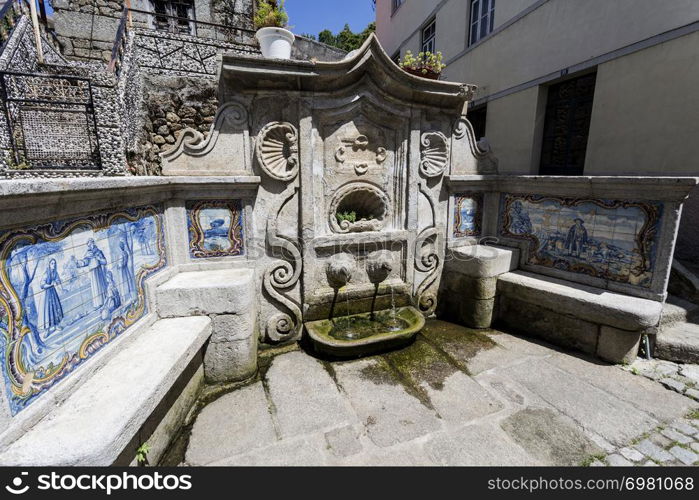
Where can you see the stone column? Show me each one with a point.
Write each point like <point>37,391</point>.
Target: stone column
<point>467,292</point>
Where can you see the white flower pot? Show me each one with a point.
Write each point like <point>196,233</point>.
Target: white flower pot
<point>275,43</point>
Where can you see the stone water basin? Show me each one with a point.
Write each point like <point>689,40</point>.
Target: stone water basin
<point>363,334</point>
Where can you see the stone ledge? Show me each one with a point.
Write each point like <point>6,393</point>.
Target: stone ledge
<point>225,291</point>
<point>110,408</point>
<point>581,301</point>
<point>481,261</point>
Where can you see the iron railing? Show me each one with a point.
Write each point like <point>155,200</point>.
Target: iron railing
<point>50,122</point>
<point>197,29</point>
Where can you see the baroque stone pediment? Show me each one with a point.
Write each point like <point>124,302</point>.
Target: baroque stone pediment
<point>369,61</point>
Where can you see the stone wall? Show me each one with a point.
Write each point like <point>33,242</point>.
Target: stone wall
<point>86,29</point>
<point>170,104</point>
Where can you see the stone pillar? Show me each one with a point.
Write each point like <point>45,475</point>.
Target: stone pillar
<point>232,351</point>
<point>467,293</point>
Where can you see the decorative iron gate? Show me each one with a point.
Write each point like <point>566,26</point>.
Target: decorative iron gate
<point>49,122</point>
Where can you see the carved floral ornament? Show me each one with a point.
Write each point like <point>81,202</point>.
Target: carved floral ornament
<point>277,150</point>
<point>434,154</point>
<point>359,143</point>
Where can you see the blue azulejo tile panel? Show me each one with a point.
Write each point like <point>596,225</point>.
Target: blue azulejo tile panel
<point>215,228</point>
<point>468,214</point>
<point>69,287</point>
<point>609,239</point>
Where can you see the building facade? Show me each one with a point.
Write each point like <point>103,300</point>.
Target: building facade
<point>568,87</point>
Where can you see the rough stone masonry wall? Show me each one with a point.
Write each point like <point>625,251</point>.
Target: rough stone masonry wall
<point>170,104</point>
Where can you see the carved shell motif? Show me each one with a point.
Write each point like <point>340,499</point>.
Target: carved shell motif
<point>277,150</point>
<point>434,154</point>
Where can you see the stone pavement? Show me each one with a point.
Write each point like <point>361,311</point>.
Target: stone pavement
<point>454,397</point>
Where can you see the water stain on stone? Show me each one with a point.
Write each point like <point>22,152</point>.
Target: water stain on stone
<point>458,342</point>
<point>379,373</point>
<point>422,364</point>
<point>545,435</point>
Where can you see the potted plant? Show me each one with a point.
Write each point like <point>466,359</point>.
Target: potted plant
<point>425,65</point>
<point>270,21</point>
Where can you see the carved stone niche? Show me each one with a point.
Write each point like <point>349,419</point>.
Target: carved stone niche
<point>358,207</point>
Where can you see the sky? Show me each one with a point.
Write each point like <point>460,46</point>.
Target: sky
<point>313,16</point>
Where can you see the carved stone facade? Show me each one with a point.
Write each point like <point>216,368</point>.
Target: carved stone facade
<point>351,208</point>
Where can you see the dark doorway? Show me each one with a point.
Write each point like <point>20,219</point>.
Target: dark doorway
<point>477,118</point>
<point>567,125</point>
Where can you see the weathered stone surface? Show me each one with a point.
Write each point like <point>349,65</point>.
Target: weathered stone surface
<point>475,313</point>
<point>305,397</point>
<point>614,419</point>
<point>231,327</point>
<point>231,425</point>
<point>389,413</point>
<point>678,343</point>
<point>344,441</point>
<point>480,444</point>
<point>684,455</point>
<point>112,405</point>
<point>225,291</point>
<point>617,346</point>
<point>231,361</point>
<point>482,261</point>
<point>550,438</point>
<point>618,461</point>
<point>302,451</point>
<point>232,351</point>
<point>676,436</point>
<point>653,451</point>
<point>644,394</point>
<point>587,303</point>
<point>559,329</point>
<point>631,454</point>
<point>456,397</point>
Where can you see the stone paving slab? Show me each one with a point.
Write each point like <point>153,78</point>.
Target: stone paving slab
<point>479,444</point>
<point>233,424</point>
<point>641,393</point>
<point>454,397</point>
<point>550,437</point>
<point>390,414</point>
<point>305,397</point>
<point>591,407</point>
<point>302,451</point>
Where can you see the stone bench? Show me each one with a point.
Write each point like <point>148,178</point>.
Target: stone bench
<point>596,321</point>
<point>227,296</point>
<point>100,422</point>
<point>468,286</point>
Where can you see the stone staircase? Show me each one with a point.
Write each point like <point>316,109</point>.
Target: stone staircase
<point>678,335</point>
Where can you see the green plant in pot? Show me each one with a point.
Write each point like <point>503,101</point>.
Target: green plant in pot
<point>271,21</point>
<point>425,65</point>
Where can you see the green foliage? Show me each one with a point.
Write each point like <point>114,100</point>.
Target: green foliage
<point>346,39</point>
<point>142,454</point>
<point>271,13</point>
<point>17,165</point>
<point>424,63</point>
<point>346,216</point>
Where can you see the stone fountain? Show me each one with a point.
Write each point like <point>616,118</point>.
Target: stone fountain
<point>352,207</point>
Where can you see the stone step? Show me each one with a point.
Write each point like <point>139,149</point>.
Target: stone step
<point>679,342</point>
<point>677,310</point>
<point>194,293</point>
<point>96,423</point>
